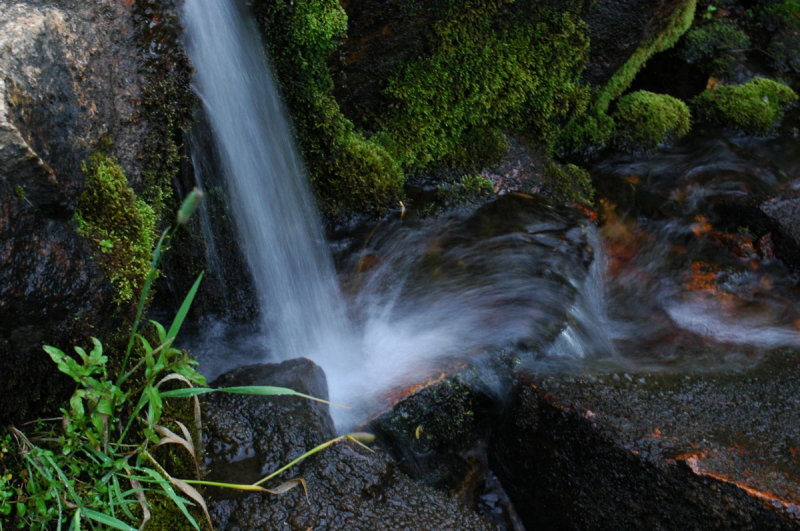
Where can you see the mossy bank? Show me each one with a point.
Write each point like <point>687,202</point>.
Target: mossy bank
<point>379,91</point>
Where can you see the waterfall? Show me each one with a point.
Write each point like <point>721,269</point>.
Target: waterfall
<point>278,226</point>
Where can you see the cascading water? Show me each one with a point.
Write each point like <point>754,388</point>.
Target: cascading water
<point>518,272</point>
<point>405,318</point>
<point>278,225</point>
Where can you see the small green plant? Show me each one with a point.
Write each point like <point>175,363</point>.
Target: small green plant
<point>756,107</point>
<point>646,120</point>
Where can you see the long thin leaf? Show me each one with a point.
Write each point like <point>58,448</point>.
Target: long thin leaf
<point>184,309</point>
<point>107,520</point>
<point>167,489</point>
<point>266,390</point>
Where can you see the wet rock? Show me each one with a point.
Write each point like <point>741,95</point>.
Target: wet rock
<point>777,217</point>
<point>655,450</point>
<point>617,28</point>
<point>69,77</point>
<point>349,487</point>
<point>784,214</point>
<point>439,434</point>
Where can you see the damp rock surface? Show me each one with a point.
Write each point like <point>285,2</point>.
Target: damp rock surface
<point>69,76</point>
<point>654,450</point>
<point>349,487</point>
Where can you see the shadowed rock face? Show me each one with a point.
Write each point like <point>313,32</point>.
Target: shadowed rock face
<point>617,28</point>
<point>710,451</point>
<point>69,78</point>
<point>349,487</point>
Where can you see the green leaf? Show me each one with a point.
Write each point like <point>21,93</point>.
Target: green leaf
<point>243,390</point>
<point>170,493</point>
<point>184,309</point>
<point>107,520</point>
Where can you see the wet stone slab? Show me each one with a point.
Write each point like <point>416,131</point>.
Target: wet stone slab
<point>717,450</point>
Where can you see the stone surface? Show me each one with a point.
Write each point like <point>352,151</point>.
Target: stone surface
<point>655,450</point>
<point>70,81</point>
<point>349,487</point>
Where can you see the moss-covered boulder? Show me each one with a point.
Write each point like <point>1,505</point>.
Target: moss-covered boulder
<point>756,107</point>
<point>646,120</point>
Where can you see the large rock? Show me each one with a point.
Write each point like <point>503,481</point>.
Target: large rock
<point>349,487</point>
<point>649,450</point>
<point>70,82</point>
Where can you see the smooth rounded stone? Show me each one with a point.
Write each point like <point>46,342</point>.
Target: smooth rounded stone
<point>349,487</point>
<point>660,451</point>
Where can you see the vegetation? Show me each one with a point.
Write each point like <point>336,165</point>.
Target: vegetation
<point>646,120</point>
<point>596,126</point>
<point>349,171</point>
<point>781,19</point>
<point>483,76</point>
<point>570,182</point>
<point>714,46</point>
<point>120,226</point>
<point>755,107</point>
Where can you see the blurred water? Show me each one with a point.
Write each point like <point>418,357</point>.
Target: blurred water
<point>661,284</point>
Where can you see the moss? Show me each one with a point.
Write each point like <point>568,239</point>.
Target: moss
<point>646,120</point>
<point>715,46</point>
<point>569,182</point>
<point>596,127</point>
<point>348,170</point>
<point>120,226</point>
<point>755,107</point>
<point>485,73</point>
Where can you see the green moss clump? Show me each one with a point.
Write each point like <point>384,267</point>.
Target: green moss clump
<point>569,182</point>
<point>646,120</point>
<point>755,107</point>
<point>484,74</point>
<point>715,45</point>
<point>596,127</point>
<point>349,171</point>
<point>120,226</point>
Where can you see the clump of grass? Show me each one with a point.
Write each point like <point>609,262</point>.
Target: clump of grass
<point>756,107</point>
<point>646,120</point>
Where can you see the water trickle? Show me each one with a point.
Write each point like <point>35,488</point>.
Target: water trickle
<point>277,222</point>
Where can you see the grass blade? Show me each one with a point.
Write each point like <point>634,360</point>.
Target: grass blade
<point>266,390</point>
<point>107,520</point>
<point>184,309</point>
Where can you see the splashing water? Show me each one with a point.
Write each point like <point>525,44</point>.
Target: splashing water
<point>422,295</point>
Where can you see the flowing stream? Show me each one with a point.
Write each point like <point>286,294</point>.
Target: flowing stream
<point>651,289</point>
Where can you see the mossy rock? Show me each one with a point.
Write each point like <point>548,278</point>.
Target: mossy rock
<point>569,182</point>
<point>714,46</point>
<point>756,107</point>
<point>595,127</point>
<point>119,225</point>
<point>646,120</point>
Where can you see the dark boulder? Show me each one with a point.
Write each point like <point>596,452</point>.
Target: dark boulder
<point>349,487</point>
<point>663,451</point>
